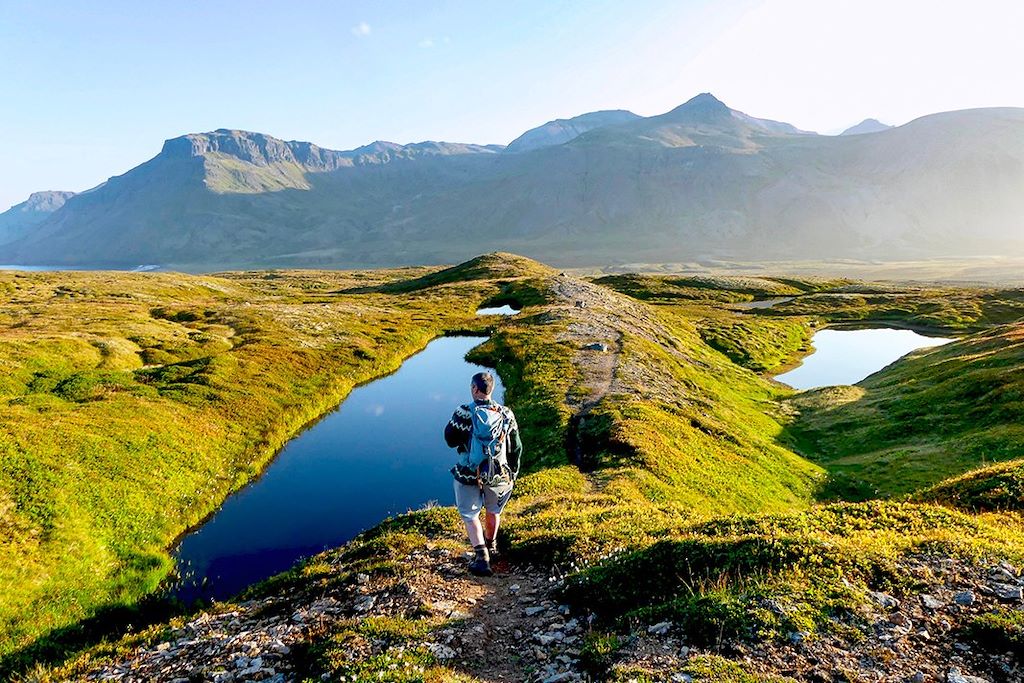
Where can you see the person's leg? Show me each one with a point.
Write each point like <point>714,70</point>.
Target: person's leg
<point>475,530</point>
<point>495,500</point>
<point>491,530</point>
<point>470,501</point>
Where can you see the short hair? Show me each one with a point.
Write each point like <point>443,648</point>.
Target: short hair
<point>484,382</point>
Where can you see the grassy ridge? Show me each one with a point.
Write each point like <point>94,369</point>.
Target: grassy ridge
<point>683,432</point>
<point>135,403</point>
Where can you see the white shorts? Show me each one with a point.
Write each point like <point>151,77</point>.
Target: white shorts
<point>471,498</point>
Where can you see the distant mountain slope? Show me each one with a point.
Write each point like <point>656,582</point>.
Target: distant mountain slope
<point>563,130</point>
<point>20,218</point>
<point>701,180</point>
<point>866,126</point>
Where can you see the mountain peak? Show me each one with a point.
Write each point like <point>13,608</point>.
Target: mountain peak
<point>866,126</point>
<point>704,108</point>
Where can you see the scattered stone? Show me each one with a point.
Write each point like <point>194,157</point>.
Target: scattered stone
<point>682,678</point>
<point>884,600</point>
<point>1002,575</point>
<point>364,604</point>
<point>362,578</point>
<point>559,677</point>
<point>955,676</point>
<point>513,589</point>
<point>899,619</point>
<point>533,611</point>
<point>931,602</point>
<point>660,629</point>
<point>964,598</point>
<point>441,651</point>
<point>544,639</point>
<point>1007,592</point>
<point>596,346</point>
<point>163,647</point>
<point>918,677</point>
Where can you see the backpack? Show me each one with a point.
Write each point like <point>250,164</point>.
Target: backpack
<point>488,443</point>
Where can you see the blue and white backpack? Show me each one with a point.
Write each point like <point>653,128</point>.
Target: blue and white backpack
<point>488,443</point>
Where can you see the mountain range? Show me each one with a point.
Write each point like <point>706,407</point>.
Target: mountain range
<point>701,181</point>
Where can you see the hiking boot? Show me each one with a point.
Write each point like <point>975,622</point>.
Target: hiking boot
<point>492,549</point>
<point>481,564</point>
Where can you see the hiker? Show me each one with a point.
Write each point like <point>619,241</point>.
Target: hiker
<point>486,437</point>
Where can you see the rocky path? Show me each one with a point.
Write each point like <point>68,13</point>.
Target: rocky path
<point>502,628</point>
<point>510,628</point>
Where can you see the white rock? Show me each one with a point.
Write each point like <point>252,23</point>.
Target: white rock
<point>955,676</point>
<point>661,628</point>
<point>884,599</point>
<point>441,651</point>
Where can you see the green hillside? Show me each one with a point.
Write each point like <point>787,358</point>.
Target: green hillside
<point>669,479</point>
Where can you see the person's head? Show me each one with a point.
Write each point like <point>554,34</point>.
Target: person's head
<point>482,385</point>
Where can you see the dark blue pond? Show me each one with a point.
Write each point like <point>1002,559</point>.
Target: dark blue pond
<point>381,452</point>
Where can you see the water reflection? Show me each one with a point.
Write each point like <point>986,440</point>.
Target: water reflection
<point>848,356</point>
<point>380,453</point>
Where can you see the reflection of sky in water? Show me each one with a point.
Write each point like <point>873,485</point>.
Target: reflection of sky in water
<point>497,310</point>
<point>848,356</point>
<point>380,453</point>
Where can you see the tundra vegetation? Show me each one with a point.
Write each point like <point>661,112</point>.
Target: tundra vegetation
<point>668,477</point>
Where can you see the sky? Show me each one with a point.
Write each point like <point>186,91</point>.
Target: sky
<point>90,90</point>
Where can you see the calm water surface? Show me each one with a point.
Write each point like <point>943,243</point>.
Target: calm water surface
<point>497,310</point>
<point>762,303</point>
<point>848,356</point>
<point>381,452</point>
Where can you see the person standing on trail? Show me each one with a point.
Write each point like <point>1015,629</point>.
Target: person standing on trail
<point>486,437</point>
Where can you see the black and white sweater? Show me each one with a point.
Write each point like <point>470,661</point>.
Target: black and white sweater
<point>459,429</point>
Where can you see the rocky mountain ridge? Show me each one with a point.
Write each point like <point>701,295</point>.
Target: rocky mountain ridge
<point>700,181</point>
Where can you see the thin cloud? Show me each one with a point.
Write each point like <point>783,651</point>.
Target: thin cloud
<point>361,29</point>
<point>426,43</point>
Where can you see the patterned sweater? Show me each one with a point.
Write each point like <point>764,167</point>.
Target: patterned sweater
<point>459,429</point>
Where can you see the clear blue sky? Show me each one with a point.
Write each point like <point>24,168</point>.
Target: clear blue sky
<point>92,89</point>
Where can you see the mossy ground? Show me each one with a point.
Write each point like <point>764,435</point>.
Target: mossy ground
<point>696,497</point>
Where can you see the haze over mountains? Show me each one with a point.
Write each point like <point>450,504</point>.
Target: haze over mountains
<point>700,181</point>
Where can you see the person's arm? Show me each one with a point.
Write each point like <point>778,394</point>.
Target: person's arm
<point>515,447</point>
<point>457,431</point>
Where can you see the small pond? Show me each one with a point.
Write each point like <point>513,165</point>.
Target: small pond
<point>762,303</point>
<point>497,310</point>
<point>848,356</point>
<point>380,453</point>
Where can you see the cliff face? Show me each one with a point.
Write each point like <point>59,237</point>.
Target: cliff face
<point>19,220</point>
